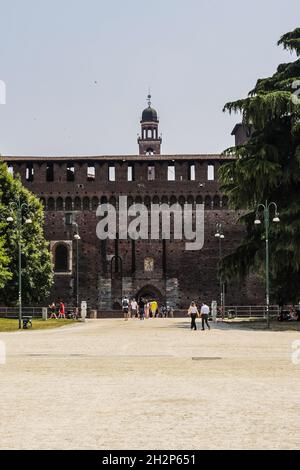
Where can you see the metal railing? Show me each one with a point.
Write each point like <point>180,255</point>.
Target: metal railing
<point>9,312</point>
<point>231,312</point>
<point>35,312</point>
<point>250,311</point>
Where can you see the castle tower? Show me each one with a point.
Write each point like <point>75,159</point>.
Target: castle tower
<point>149,141</point>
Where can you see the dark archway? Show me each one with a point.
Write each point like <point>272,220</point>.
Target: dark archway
<point>150,293</point>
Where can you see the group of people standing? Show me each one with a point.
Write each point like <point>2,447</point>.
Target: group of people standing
<point>194,313</point>
<point>141,308</point>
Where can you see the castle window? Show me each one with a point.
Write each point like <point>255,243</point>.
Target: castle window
<point>59,204</point>
<point>86,203</point>
<point>69,218</point>
<point>211,172</point>
<point>151,173</point>
<point>149,265</point>
<point>192,172</point>
<point>29,172</point>
<point>77,204</point>
<point>70,172</point>
<point>130,173</point>
<point>50,172</point>
<point>61,258</point>
<point>51,204</point>
<point>171,173</point>
<point>91,173</point>
<point>111,173</point>
<point>69,204</point>
<point>95,203</point>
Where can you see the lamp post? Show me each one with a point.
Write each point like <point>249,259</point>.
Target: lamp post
<point>266,215</point>
<point>77,238</point>
<point>220,236</point>
<point>19,208</point>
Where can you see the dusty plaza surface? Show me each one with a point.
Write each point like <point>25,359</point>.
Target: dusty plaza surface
<point>108,384</point>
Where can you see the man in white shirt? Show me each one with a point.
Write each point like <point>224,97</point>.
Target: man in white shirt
<point>134,308</point>
<point>204,315</point>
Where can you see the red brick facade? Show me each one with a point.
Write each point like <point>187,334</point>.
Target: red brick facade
<point>108,270</point>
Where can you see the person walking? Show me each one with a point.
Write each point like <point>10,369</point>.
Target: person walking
<point>62,310</point>
<point>193,312</point>
<point>204,316</point>
<point>125,308</point>
<point>134,308</point>
<point>154,308</point>
<point>141,308</point>
<point>147,309</point>
<point>53,310</point>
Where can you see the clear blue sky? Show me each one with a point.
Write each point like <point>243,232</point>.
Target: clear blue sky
<point>195,55</point>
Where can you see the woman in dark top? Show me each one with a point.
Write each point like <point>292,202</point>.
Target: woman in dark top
<point>141,308</point>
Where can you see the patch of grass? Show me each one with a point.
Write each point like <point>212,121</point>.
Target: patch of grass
<point>7,324</point>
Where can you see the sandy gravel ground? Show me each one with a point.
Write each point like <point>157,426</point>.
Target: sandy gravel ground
<point>108,384</point>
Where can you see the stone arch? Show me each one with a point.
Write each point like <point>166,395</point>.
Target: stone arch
<point>150,292</point>
<point>95,203</point>
<point>217,202</point>
<point>86,203</point>
<point>181,200</point>
<point>59,204</point>
<point>199,200</point>
<point>207,202</point>
<point>69,204</point>
<point>130,201</point>
<point>113,201</point>
<point>155,200</point>
<point>173,200</point>
<point>190,200</point>
<point>147,202</point>
<point>77,203</point>
<point>116,266</point>
<point>51,204</point>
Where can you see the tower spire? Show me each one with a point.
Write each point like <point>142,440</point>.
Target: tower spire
<point>149,97</point>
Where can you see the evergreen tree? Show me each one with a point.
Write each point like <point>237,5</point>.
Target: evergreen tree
<point>37,276</point>
<point>267,168</point>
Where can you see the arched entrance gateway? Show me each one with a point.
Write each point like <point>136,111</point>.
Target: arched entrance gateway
<point>150,293</point>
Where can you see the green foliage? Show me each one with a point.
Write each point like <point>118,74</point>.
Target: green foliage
<point>5,274</point>
<point>267,167</point>
<point>37,276</point>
